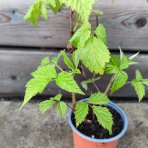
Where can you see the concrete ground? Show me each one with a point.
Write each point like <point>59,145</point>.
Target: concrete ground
<point>30,129</point>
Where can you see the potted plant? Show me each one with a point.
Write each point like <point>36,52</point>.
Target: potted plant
<point>95,121</point>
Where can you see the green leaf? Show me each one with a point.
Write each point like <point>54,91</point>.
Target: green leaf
<point>46,72</point>
<point>133,56</point>
<point>47,104</point>
<point>98,99</point>
<point>81,36</point>
<point>85,83</point>
<point>42,76</point>
<point>139,88</point>
<point>113,66</point>
<point>104,117</point>
<point>45,61</point>
<point>116,65</point>
<point>66,81</point>
<point>43,10</point>
<point>35,11</point>
<point>82,7</point>
<point>124,61</point>
<point>81,111</point>
<point>67,61</point>
<point>138,85</point>
<point>95,55</point>
<point>138,75</point>
<point>55,59</point>
<point>55,5</point>
<point>76,57</point>
<point>62,108</point>
<point>101,33</point>
<point>120,81</point>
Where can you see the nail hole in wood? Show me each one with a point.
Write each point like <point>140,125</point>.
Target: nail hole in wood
<point>13,77</point>
<point>13,11</point>
<point>141,22</point>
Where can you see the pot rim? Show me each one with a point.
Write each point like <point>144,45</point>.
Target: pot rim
<point>123,131</point>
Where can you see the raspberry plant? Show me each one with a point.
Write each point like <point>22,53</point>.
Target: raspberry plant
<point>88,49</point>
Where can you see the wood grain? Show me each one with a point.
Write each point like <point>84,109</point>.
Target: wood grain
<point>16,66</point>
<point>126,23</point>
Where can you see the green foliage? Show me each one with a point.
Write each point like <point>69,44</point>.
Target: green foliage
<point>82,7</point>
<point>101,33</point>
<point>54,5</point>
<point>138,84</point>
<point>62,108</point>
<point>35,11</point>
<point>76,57</point>
<point>95,55</point>
<point>98,99</point>
<point>117,66</point>
<point>81,36</point>
<point>85,83</point>
<point>45,61</point>
<point>66,81</point>
<point>81,111</point>
<point>47,104</point>
<point>119,81</point>
<point>42,76</point>
<point>104,117</point>
<point>67,60</point>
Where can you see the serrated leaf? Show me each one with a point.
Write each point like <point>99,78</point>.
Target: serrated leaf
<point>55,59</point>
<point>45,61</point>
<point>54,5</point>
<point>81,36</point>
<point>43,10</point>
<point>82,7</point>
<point>101,33</point>
<point>139,88</point>
<point>62,108</point>
<point>85,83</point>
<point>113,66</point>
<point>46,72</point>
<point>42,76</point>
<point>76,57</point>
<point>47,104</point>
<point>138,75</point>
<point>98,99</point>
<point>124,61</point>
<point>66,81</point>
<point>104,117</point>
<point>35,11</point>
<point>120,81</point>
<point>67,61</point>
<point>81,111</point>
<point>95,55</point>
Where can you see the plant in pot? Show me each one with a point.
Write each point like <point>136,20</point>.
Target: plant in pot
<point>95,121</point>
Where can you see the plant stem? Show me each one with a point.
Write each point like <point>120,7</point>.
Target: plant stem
<point>110,84</point>
<point>94,75</point>
<point>73,100</point>
<point>71,34</point>
<point>59,67</point>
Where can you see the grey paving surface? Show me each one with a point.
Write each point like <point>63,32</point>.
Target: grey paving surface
<point>30,129</point>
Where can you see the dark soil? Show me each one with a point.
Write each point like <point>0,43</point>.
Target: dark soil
<point>95,130</point>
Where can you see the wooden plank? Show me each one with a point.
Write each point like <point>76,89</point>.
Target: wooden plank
<point>16,66</point>
<point>126,23</point>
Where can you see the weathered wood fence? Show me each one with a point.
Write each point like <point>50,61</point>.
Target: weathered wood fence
<point>23,46</point>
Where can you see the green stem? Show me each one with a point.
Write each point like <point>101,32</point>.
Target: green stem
<point>73,100</point>
<point>110,85</point>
